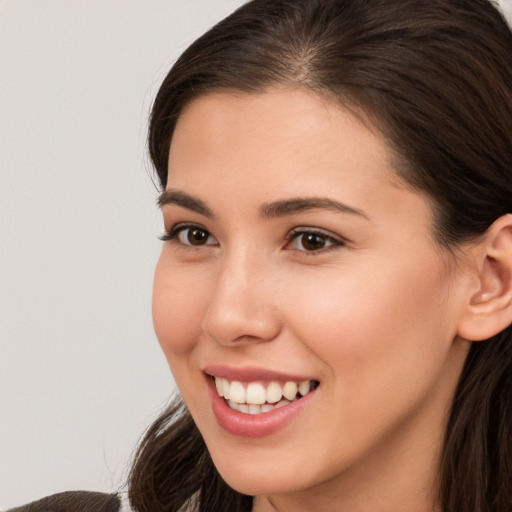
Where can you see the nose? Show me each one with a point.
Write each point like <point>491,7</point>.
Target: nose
<point>241,308</point>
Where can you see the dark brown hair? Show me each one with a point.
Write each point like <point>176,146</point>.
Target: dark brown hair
<point>435,77</point>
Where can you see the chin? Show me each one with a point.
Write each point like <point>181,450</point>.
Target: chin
<point>257,485</point>
<point>263,477</point>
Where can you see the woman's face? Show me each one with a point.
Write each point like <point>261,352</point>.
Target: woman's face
<point>296,261</point>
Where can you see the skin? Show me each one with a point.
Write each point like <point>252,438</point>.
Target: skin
<point>372,315</point>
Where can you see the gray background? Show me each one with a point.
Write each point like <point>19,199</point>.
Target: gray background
<point>81,374</point>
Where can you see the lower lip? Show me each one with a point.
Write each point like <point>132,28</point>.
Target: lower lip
<point>255,425</point>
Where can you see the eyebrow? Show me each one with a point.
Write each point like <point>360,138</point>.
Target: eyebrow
<point>185,201</point>
<point>270,210</point>
<point>302,204</point>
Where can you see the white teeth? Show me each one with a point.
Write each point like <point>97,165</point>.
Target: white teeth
<point>234,405</point>
<point>256,409</point>
<point>243,408</point>
<point>290,390</point>
<point>267,407</point>
<point>253,398</point>
<point>274,393</point>
<point>237,392</point>
<point>219,386</point>
<point>255,394</point>
<point>225,387</point>
<point>304,387</point>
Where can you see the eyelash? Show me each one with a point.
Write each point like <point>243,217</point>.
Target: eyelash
<point>294,235</point>
<point>333,242</point>
<point>175,231</point>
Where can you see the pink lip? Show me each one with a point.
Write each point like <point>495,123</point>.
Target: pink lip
<point>251,374</point>
<point>258,425</point>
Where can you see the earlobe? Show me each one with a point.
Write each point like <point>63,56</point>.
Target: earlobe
<point>489,308</point>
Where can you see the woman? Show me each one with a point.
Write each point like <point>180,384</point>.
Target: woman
<point>337,189</point>
<point>334,293</point>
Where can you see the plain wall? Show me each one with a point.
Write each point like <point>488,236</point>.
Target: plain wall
<point>81,374</point>
<point>506,7</point>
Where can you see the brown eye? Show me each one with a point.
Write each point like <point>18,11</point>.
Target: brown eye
<point>312,241</point>
<point>197,236</point>
<point>194,235</point>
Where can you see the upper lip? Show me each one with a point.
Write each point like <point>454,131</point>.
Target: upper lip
<point>251,373</point>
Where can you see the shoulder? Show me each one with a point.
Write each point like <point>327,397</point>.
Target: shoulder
<point>74,501</point>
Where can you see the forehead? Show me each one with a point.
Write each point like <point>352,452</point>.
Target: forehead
<point>290,134</point>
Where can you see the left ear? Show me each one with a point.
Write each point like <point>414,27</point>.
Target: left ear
<point>489,307</point>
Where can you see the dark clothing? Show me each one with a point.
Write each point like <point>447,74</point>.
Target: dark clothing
<point>73,501</point>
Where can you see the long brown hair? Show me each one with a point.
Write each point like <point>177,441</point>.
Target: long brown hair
<point>435,77</point>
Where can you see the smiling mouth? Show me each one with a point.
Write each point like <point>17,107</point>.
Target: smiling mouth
<point>258,397</point>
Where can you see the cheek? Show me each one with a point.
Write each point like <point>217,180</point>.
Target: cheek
<point>384,342</point>
<point>178,308</point>
<point>373,319</point>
